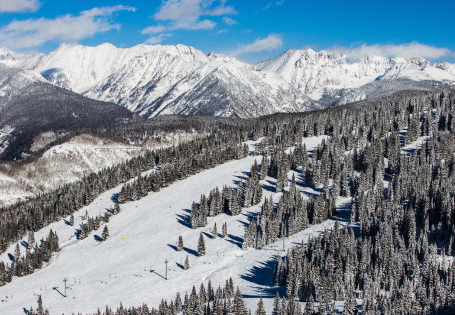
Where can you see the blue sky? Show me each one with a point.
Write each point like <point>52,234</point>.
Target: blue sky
<point>250,30</point>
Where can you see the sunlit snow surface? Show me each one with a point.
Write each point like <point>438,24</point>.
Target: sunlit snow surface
<point>129,267</point>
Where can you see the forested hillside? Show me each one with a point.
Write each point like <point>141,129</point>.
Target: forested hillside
<point>393,159</point>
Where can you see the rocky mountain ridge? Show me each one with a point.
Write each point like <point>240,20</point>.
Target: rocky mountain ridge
<point>157,80</point>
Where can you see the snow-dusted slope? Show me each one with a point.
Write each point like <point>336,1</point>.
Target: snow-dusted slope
<point>129,267</point>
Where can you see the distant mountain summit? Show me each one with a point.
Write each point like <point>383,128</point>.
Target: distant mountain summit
<point>158,80</point>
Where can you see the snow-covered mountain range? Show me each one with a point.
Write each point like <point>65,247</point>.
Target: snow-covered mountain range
<point>156,80</point>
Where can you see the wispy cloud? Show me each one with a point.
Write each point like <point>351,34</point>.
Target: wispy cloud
<point>271,42</point>
<point>66,28</point>
<point>152,40</point>
<point>278,3</point>
<point>189,15</point>
<point>228,21</point>
<point>267,6</point>
<point>222,31</point>
<point>19,5</point>
<point>409,50</point>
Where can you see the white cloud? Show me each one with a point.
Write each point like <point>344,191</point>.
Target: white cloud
<point>152,40</point>
<point>66,28</point>
<point>269,43</point>
<point>19,5</point>
<point>267,6</point>
<point>279,2</point>
<point>410,50</point>
<point>222,31</point>
<point>228,21</point>
<point>154,29</point>
<point>188,15</point>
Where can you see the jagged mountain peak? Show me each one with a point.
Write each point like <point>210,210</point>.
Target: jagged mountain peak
<point>165,79</point>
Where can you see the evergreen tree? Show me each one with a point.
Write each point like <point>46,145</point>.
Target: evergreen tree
<point>178,303</point>
<point>201,245</point>
<point>117,208</point>
<point>105,233</point>
<point>194,216</point>
<point>40,310</point>
<point>180,244</point>
<point>276,305</point>
<point>260,309</point>
<point>225,230</point>
<point>350,305</point>
<point>187,263</point>
<point>215,231</point>
<point>31,239</point>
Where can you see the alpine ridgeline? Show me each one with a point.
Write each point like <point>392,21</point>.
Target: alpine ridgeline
<point>157,80</point>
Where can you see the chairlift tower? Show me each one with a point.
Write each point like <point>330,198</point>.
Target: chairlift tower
<point>64,280</point>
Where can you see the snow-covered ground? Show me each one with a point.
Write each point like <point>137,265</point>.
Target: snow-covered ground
<point>129,266</point>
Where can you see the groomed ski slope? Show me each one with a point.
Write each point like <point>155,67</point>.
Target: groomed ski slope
<point>129,267</point>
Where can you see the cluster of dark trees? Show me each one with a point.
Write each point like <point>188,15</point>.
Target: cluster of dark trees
<point>94,223</point>
<point>33,259</point>
<point>176,162</point>
<point>208,301</point>
<point>403,200</point>
<point>229,200</point>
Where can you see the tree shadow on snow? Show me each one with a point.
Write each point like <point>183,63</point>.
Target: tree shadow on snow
<point>114,197</point>
<point>190,251</point>
<point>180,266</point>
<point>67,222</point>
<point>11,257</point>
<point>209,235</point>
<point>268,292</point>
<point>312,194</point>
<point>235,240</point>
<point>172,246</point>
<point>184,219</point>
<point>25,244</point>
<point>269,188</point>
<point>261,275</point>
<point>343,213</point>
<point>97,238</point>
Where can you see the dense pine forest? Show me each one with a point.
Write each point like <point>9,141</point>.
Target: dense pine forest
<point>394,158</point>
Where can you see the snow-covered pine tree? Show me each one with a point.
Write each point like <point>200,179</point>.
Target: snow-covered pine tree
<point>350,305</point>
<point>194,216</point>
<point>201,245</point>
<point>180,243</point>
<point>31,239</point>
<point>215,231</point>
<point>203,212</point>
<point>117,208</point>
<point>178,303</point>
<point>277,305</point>
<point>105,233</point>
<point>40,309</point>
<point>260,309</point>
<point>210,292</point>
<point>264,168</point>
<point>187,264</point>
<point>225,230</point>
